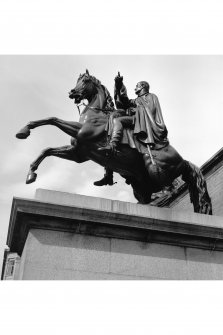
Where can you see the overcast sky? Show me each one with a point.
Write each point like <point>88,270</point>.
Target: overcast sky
<point>189,89</point>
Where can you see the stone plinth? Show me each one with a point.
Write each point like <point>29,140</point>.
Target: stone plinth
<point>69,236</point>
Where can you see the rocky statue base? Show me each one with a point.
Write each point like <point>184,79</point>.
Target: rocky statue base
<point>69,236</point>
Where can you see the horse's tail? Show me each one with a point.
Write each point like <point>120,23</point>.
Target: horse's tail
<point>197,189</point>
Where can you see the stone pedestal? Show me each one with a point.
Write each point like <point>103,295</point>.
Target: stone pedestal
<point>69,236</point>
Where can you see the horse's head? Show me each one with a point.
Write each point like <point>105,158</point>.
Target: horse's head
<point>85,88</point>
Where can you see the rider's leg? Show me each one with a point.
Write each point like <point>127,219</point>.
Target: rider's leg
<point>117,132</point>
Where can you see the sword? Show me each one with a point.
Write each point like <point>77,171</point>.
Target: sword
<point>150,154</point>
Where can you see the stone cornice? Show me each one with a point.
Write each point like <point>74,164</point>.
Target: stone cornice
<point>123,220</point>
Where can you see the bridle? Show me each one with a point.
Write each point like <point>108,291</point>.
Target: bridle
<point>94,108</point>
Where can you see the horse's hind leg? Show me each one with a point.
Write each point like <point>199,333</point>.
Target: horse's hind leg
<point>65,152</point>
<point>69,127</point>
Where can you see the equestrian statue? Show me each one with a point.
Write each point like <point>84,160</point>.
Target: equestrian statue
<point>130,140</point>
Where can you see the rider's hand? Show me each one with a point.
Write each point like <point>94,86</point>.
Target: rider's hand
<point>118,81</point>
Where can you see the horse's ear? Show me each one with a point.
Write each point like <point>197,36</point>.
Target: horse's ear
<point>87,72</point>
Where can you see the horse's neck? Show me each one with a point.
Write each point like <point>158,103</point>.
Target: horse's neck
<point>95,107</point>
<point>98,100</point>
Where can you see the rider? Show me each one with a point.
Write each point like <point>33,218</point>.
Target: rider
<point>148,123</point>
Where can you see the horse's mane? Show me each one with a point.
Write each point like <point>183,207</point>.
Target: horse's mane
<point>109,101</point>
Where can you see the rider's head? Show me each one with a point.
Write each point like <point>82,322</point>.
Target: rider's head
<point>142,88</point>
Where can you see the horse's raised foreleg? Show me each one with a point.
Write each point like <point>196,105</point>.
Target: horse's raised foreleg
<point>65,152</point>
<point>69,127</point>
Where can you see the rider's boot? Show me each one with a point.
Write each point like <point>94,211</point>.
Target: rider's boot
<point>106,180</point>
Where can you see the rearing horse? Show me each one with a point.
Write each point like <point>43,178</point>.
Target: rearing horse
<point>139,170</point>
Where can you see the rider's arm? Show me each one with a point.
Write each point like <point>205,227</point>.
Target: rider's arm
<point>120,94</point>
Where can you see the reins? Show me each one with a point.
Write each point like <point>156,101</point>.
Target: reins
<point>96,108</point>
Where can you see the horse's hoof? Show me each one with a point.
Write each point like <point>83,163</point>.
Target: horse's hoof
<point>31,177</point>
<point>23,133</point>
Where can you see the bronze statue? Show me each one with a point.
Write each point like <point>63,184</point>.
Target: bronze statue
<point>145,117</point>
<point>142,155</point>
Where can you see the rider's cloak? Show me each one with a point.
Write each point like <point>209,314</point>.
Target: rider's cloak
<point>149,124</point>
<point>149,127</point>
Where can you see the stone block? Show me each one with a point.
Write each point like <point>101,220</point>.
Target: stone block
<point>66,251</point>
<point>148,260</point>
<point>204,264</point>
<point>70,199</point>
<point>35,271</point>
<point>68,236</point>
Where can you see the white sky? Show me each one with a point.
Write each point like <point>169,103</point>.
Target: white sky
<point>190,94</point>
